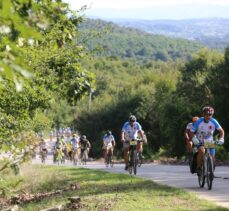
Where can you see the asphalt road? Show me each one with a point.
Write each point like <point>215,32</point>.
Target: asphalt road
<point>176,176</point>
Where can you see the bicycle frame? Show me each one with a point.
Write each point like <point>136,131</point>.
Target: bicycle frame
<point>133,156</point>
<point>109,156</point>
<point>207,172</point>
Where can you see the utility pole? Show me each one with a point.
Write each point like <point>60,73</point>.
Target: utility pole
<point>89,99</point>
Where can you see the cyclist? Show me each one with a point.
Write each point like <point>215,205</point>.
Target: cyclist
<point>108,144</point>
<point>64,145</point>
<point>130,131</point>
<point>58,148</point>
<point>43,147</point>
<point>74,146</point>
<point>188,139</point>
<point>84,145</point>
<point>204,128</point>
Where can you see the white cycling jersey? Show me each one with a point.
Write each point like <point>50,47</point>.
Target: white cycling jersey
<point>204,130</point>
<point>75,142</point>
<point>108,140</point>
<point>131,132</point>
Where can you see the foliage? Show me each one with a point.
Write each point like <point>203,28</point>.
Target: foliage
<point>36,36</point>
<point>131,43</point>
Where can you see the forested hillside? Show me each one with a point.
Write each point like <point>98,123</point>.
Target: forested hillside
<point>212,32</point>
<point>132,43</point>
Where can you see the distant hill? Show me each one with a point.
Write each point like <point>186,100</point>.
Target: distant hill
<point>213,32</point>
<point>132,43</point>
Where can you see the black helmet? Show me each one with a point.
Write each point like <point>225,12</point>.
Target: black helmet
<point>83,137</point>
<point>132,118</point>
<point>208,110</point>
<point>108,132</point>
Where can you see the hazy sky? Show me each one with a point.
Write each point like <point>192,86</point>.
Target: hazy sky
<point>154,9</point>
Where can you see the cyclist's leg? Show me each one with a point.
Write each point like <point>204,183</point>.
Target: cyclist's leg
<point>105,154</point>
<point>200,157</point>
<point>140,149</point>
<point>212,153</point>
<point>189,145</point>
<point>126,154</point>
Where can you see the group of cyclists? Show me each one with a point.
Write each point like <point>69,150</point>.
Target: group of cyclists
<point>197,132</point>
<point>66,148</point>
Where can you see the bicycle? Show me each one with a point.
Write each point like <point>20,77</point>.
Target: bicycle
<point>75,156</point>
<point>207,169</point>
<point>84,153</point>
<point>59,156</point>
<point>109,160</point>
<point>134,156</point>
<point>43,154</point>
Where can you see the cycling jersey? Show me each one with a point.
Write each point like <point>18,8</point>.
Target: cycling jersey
<point>204,130</point>
<point>108,140</point>
<point>131,132</point>
<point>43,146</point>
<point>188,129</point>
<point>85,144</point>
<point>75,143</point>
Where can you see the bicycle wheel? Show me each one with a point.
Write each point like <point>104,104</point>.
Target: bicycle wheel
<point>135,163</point>
<point>111,161</point>
<point>201,177</point>
<point>42,157</point>
<point>130,167</point>
<point>75,157</point>
<point>84,157</point>
<point>140,159</point>
<point>210,173</point>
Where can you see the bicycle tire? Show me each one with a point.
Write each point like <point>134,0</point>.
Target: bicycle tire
<point>130,167</point>
<point>84,157</point>
<point>108,160</point>
<point>201,177</point>
<point>210,173</point>
<point>135,163</point>
<point>75,158</point>
<point>140,160</point>
<point>111,161</point>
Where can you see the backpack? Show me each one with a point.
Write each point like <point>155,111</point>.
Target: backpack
<point>193,164</point>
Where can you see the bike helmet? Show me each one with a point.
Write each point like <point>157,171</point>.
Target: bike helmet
<point>207,110</point>
<point>195,118</point>
<point>108,132</point>
<point>83,138</point>
<point>132,118</point>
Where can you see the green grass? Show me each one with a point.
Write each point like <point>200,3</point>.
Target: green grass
<point>106,191</point>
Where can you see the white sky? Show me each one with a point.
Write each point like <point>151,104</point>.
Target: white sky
<point>122,4</point>
<point>153,9</point>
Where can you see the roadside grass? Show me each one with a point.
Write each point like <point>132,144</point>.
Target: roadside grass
<point>105,191</point>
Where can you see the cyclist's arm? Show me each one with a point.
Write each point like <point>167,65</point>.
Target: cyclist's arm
<point>113,143</point>
<point>221,133</point>
<point>191,134</point>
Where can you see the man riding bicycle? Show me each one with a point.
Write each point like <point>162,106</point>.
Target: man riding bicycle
<point>75,148</point>
<point>108,144</point>
<point>188,139</point>
<point>130,131</point>
<point>204,128</point>
<point>43,147</point>
<point>84,145</point>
